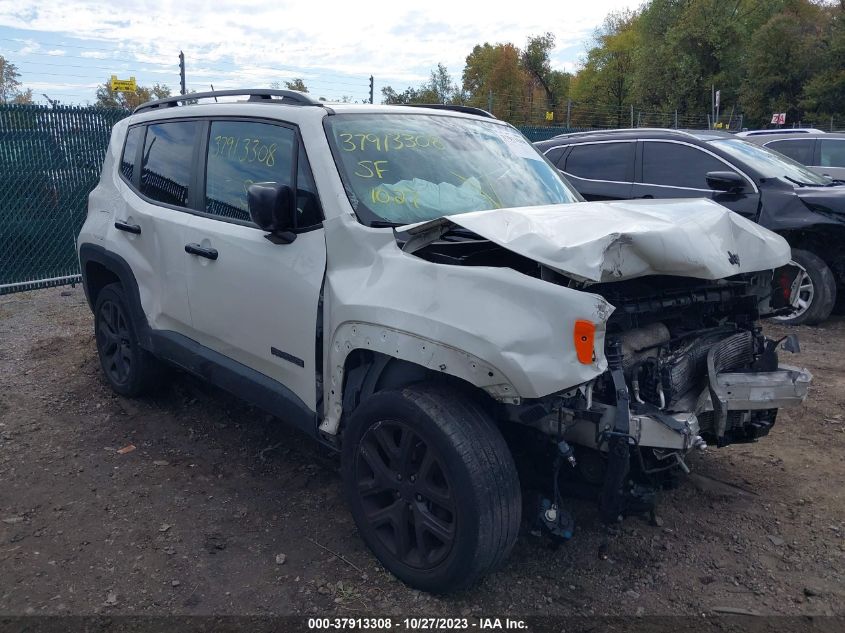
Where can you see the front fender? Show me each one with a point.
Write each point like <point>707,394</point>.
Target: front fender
<point>496,328</point>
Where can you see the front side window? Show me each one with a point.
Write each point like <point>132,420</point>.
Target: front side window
<point>676,165</point>
<point>832,153</point>
<point>601,161</point>
<point>241,153</point>
<point>800,150</point>
<point>167,163</point>
<point>130,151</point>
<point>405,168</point>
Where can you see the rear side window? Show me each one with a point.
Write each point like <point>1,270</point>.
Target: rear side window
<point>802,150</point>
<point>241,153</point>
<point>168,161</point>
<point>676,165</point>
<point>601,161</point>
<point>832,153</point>
<point>130,152</point>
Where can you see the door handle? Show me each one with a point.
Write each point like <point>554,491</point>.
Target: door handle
<point>196,249</point>
<point>129,228</point>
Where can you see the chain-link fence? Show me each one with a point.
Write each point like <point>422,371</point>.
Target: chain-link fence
<point>50,160</point>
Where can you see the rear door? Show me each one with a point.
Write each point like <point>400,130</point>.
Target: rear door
<point>157,168</point>
<point>600,170</point>
<point>254,301</point>
<point>675,169</point>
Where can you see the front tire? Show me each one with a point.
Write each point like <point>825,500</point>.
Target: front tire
<point>432,486</point>
<point>816,293</point>
<point>129,369</point>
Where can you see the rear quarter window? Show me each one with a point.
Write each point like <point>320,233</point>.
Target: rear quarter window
<point>130,152</point>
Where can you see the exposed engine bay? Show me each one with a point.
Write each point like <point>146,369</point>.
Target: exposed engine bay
<point>687,365</point>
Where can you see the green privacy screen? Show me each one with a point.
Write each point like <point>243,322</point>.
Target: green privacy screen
<point>50,161</point>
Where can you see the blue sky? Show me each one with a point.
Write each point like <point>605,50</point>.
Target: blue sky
<point>64,48</point>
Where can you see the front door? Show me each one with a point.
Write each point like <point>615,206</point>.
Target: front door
<point>674,169</point>
<point>254,301</point>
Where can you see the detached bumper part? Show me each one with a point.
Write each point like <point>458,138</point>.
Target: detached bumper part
<point>756,394</point>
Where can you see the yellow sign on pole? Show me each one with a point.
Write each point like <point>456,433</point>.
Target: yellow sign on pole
<point>123,85</point>
<point>550,116</point>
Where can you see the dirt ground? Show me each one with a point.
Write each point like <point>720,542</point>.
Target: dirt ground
<point>220,509</point>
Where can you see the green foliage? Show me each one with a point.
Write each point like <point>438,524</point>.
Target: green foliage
<point>438,89</point>
<point>296,84</point>
<point>764,56</point>
<point>108,98</point>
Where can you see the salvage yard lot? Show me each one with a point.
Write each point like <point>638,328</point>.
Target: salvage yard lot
<point>221,509</point>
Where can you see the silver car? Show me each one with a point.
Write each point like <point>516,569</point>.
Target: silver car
<point>822,152</point>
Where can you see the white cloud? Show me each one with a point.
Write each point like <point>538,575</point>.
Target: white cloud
<point>258,41</point>
<point>57,52</point>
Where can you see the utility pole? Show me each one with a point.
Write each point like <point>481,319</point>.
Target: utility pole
<point>490,100</point>
<point>568,112</point>
<point>371,88</point>
<point>632,115</point>
<point>182,72</point>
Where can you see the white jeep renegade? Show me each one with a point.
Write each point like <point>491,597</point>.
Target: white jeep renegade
<point>411,285</point>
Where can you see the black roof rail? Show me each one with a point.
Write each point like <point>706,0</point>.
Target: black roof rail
<point>456,108</point>
<point>255,94</point>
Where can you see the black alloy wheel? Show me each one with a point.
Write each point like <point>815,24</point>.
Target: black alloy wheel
<point>406,498</point>
<point>113,342</point>
<point>431,484</point>
<point>129,369</point>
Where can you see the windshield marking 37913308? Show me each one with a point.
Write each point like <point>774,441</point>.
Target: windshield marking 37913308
<point>407,168</point>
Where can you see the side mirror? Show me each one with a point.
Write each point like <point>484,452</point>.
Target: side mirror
<point>728,181</point>
<point>271,208</point>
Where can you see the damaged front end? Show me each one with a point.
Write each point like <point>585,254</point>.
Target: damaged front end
<point>688,366</point>
<point>682,360</point>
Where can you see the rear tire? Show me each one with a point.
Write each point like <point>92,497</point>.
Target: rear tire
<point>130,370</point>
<point>817,293</point>
<point>432,486</point>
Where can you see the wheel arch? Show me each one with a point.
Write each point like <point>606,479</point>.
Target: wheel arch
<point>100,268</point>
<point>824,241</point>
<point>367,358</point>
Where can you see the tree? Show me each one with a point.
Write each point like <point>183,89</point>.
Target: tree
<point>536,59</point>
<point>494,78</point>
<point>438,89</point>
<point>23,97</point>
<point>9,81</point>
<point>604,83</point>
<point>108,98</point>
<point>784,56</point>
<point>294,84</point>
<point>441,84</point>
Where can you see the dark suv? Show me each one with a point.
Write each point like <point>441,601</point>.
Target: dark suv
<point>804,207</point>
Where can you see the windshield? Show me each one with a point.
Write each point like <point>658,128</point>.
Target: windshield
<point>769,163</point>
<point>406,168</point>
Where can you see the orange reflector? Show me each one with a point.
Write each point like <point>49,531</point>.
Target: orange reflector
<point>584,334</point>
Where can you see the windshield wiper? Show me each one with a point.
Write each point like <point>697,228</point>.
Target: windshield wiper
<point>798,182</point>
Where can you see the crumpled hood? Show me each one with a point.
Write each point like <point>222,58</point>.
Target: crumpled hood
<point>611,241</point>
